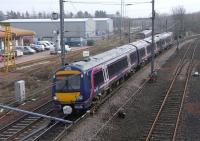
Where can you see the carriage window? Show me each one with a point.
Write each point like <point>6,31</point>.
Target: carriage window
<point>118,66</point>
<point>142,52</point>
<point>149,49</point>
<point>98,78</point>
<point>133,57</point>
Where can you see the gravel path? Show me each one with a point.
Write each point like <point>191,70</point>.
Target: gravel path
<point>118,129</point>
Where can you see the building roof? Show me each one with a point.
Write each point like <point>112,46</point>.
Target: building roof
<point>44,20</point>
<point>17,32</point>
<point>101,19</point>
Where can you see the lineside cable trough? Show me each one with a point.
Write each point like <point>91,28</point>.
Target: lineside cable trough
<point>36,114</point>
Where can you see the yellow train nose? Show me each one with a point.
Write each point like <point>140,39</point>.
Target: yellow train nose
<point>67,97</point>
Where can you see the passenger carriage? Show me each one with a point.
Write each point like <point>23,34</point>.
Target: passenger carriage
<point>76,85</point>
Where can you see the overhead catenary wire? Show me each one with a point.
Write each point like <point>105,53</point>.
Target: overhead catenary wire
<point>107,3</point>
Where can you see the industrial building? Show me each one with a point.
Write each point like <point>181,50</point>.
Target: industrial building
<point>20,36</point>
<point>104,26</point>
<point>85,28</point>
<point>47,28</point>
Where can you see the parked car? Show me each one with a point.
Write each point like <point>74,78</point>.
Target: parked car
<point>38,48</point>
<point>53,49</point>
<point>26,49</point>
<point>46,44</point>
<point>52,43</point>
<point>18,53</point>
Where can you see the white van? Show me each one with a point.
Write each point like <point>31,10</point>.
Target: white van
<point>53,49</point>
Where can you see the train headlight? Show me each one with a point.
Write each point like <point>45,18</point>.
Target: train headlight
<point>79,98</point>
<point>55,98</point>
<point>67,110</point>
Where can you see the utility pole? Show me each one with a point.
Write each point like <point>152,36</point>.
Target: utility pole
<point>129,30</point>
<point>62,32</point>
<point>166,24</point>
<point>153,46</point>
<point>121,20</point>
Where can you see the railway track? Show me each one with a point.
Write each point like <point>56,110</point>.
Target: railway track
<point>56,130</point>
<point>15,131</point>
<point>26,124</point>
<point>167,112</point>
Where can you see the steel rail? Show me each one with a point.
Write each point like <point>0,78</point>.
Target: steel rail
<point>178,69</point>
<point>184,94</point>
<point>24,117</point>
<point>27,127</point>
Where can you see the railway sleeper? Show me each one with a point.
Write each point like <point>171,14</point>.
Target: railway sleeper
<point>161,134</point>
<point>171,107</point>
<point>17,127</point>
<point>11,129</point>
<point>170,111</point>
<point>164,125</point>
<point>3,138</point>
<point>160,138</point>
<point>9,132</point>
<point>160,130</point>
<point>7,135</point>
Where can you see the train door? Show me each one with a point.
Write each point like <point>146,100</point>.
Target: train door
<point>105,74</point>
<point>97,80</point>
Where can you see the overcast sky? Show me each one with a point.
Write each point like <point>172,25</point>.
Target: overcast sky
<point>141,10</point>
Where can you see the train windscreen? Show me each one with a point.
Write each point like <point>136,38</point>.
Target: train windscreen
<point>68,83</point>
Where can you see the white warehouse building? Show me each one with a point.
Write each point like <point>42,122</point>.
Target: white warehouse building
<point>104,26</point>
<point>46,28</point>
<point>74,27</point>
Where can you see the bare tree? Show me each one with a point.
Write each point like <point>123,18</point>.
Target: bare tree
<point>178,14</point>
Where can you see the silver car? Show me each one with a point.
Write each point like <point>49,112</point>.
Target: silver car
<point>38,48</point>
<point>26,49</point>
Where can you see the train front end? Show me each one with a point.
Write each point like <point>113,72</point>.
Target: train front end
<point>68,90</point>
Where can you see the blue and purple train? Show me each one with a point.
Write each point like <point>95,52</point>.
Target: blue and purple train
<point>76,85</point>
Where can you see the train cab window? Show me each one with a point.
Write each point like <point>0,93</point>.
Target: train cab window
<point>98,78</point>
<point>133,57</point>
<point>117,66</point>
<point>68,83</point>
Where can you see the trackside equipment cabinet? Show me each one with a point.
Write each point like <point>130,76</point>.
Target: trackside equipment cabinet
<point>20,91</point>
